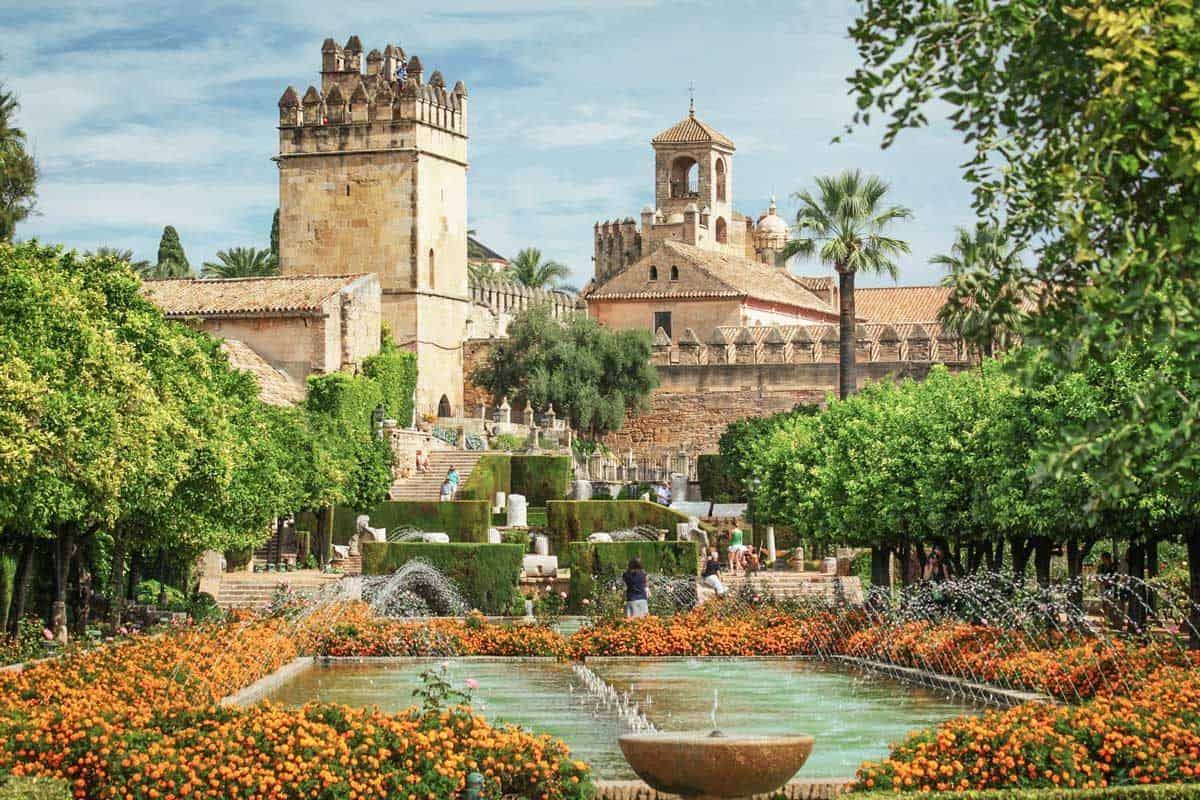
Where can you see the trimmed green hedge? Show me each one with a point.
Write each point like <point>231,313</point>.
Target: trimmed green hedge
<point>541,478</point>
<point>538,478</point>
<point>463,520</point>
<point>575,520</point>
<point>486,574</point>
<point>606,561</point>
<point>492,474</point>
<point>1158,791</point>
<point>716,485</point>
<point>34,789</point>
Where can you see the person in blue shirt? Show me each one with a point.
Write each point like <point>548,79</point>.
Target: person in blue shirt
<point>637,594</point>
<point>452,478</point>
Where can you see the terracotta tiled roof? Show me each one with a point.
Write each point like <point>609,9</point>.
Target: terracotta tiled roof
<point>274,386</point>
<point>706,274</point>
<point>817,283</point>
<point>900,303</point>
<point>689,130</point>
<point>248,296</point>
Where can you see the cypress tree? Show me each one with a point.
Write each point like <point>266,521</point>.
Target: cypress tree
<point>275,235</point>
<point>172,261</point>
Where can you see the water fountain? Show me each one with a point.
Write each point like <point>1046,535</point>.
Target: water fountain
<point>698,764</point>
<point>417,589</point>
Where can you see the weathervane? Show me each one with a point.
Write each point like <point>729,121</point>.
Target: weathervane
<point>691,99</point>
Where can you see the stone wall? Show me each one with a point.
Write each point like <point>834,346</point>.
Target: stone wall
<point>694,421</point>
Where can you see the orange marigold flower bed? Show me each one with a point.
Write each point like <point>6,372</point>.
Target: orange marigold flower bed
<point>1151,735</point>
<point>139,721</point>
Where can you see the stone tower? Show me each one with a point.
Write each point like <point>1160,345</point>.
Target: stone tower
<point>693,165</point>
<point>693,201</point>
<point>373,178</point>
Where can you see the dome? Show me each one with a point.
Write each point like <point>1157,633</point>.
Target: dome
<point>771,230</point>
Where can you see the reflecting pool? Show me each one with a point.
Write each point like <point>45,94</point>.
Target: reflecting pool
<point>854,717</point>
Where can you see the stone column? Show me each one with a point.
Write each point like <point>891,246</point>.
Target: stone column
<point>770,544</point>
<point>517,511</point>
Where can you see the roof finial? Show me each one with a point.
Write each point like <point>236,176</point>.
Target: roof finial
<point>691,99</point>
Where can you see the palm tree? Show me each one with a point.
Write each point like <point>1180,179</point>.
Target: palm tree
<point>141,267</point>
<point>529,269</point>
<point>241,262</point>
<point>989,288</point>
<point>483,271</point>
<point>844,227</point>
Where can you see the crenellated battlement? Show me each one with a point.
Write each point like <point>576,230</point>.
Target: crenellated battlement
<point>387,106</point>
<point>811,344</point>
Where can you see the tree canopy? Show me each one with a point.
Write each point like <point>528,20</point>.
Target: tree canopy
<point>590,374</point>
<point>18,170</point>
<point>118,425</point>
<point>241,262</point>
<point>172,261</point>
<point>529,269</point>
<point>1085,125</point>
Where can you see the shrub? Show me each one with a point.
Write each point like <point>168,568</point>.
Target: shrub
<point>575,520</point>
<point>508,442</point>
<point>1161,791</point>
<point>149,592</point>
<point>492,474</point>
<point>463,520</point>
<point>486,574</point>
<point>603,562</point>
<point>541,478</point>
<point>716,483</point>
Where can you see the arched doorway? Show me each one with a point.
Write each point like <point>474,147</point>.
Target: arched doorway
<point>722,232</point>
<point>444,409</point>
<point>721,180</point>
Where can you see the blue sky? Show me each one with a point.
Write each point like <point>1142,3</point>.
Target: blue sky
<point>143,114</point>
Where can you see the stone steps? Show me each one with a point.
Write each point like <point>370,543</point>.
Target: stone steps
<point>428,485</point>
<point>792,585</point>
<point>255,590</point>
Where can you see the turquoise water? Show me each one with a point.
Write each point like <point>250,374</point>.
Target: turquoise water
<point>853,717</point>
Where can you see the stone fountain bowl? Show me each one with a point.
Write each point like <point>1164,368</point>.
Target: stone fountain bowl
<point>697,764</point>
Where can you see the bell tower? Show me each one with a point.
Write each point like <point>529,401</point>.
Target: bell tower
<point>693,164</point>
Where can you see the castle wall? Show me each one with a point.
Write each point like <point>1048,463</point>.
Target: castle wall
<point>699,315</point>
<point>297,345</point>
<point>694,402</point>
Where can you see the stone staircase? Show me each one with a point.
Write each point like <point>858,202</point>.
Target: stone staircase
<point>428,485</point>
<point>791,585</point>
<point>255,589</point>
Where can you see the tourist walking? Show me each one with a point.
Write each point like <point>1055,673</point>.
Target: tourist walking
<point>712,572</point>
<point>637,594</point>
<point>663,490</point>
<point>447,492</point>
<point>452,477</point>
<point>737,550</point>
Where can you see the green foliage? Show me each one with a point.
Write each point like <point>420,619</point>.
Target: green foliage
<point>395,372</point>
<point>275,235</point>
<point>172,261</point>
<point>989,289</point>
<point>529,269</point>
<point>574,520</point>
<point>740,447</point>
<point>241,262</point>
<point>716,483</point>
<point>541,478</point>
<point>153,593</point>
<point>1084,121</point>
<point>462,520</point>
<point>508,442</point>
<point>602,562</point>
<point>844,228</point>
<point>537,478</point>
<point>593,376</point>
<point>486,574</point>
<point>18,171</point>
<point>493,473</point>
<point>15,788</point>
